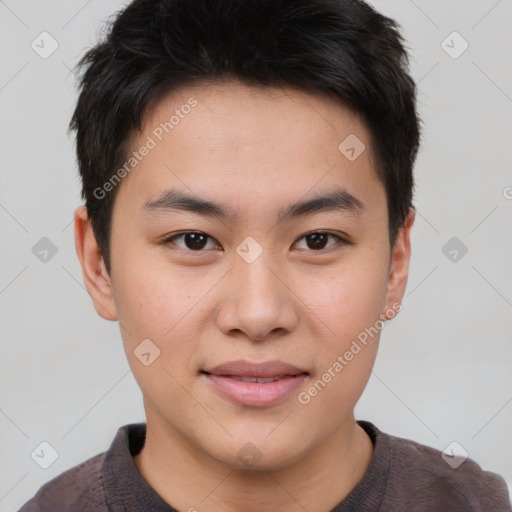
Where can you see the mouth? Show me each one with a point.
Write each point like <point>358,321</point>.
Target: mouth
<point>254,379</point>
<point>255,384</point>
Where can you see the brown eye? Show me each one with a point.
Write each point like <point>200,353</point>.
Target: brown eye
<point>191,240</point>
<point>195,241</point>
<point>318,240</point>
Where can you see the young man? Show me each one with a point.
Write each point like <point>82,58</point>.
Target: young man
<point>247,176</point>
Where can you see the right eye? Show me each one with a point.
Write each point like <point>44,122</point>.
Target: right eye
<point>193,241</point>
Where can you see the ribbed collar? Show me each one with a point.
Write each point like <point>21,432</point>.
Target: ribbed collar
<point>127,491</point>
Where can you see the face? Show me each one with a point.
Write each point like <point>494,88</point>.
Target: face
<point>252,251</point>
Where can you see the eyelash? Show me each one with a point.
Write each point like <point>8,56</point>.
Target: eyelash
<point>341,241</point>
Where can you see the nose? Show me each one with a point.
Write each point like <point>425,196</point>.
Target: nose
<point>257,301</point>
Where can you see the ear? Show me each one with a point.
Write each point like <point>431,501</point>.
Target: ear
<point>399,265</point>
<point>95,275</point>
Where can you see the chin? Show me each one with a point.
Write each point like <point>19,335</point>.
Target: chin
<point>258,452</point>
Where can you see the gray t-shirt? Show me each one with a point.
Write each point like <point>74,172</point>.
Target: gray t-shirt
<point>403,476</point>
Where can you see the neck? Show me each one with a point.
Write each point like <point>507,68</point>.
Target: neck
<point>189,479</point>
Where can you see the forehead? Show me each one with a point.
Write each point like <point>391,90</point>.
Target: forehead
<point>254,113</point>
<point>258,142</point>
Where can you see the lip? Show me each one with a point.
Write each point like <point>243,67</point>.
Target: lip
<point>225,379</point>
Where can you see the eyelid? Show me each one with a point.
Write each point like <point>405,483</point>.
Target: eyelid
<point>169,240</point>
<point>342,240</point>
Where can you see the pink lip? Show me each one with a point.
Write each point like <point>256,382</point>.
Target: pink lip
<point>224,378</point>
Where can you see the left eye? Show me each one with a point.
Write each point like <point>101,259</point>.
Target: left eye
<point>318,240</point>
<point>197,240</point>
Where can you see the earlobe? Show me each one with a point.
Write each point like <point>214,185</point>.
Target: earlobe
<point>399,267</point>
<point>95,275</point>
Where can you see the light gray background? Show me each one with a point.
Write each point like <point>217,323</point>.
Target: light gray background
<point>444,369</point>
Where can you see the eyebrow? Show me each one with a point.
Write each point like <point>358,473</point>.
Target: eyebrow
<point>173,200</point>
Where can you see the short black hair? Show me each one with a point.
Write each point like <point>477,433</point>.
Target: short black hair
<point>341,48</point>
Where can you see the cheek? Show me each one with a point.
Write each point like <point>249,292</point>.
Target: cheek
<point>163,310</point>
<point>152,296</point>
<point>350,304</point>
<point>345,358</point>
<point>153,303</point>
<point>350,301</point>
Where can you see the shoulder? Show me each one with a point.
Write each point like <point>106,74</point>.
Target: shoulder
<point>423,477</point>
<point>79,489</point>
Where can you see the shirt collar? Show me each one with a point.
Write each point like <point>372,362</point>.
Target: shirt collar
<point>125,488</point>
<point>127,491</point>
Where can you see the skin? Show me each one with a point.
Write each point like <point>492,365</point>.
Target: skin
<point>255,150</point>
